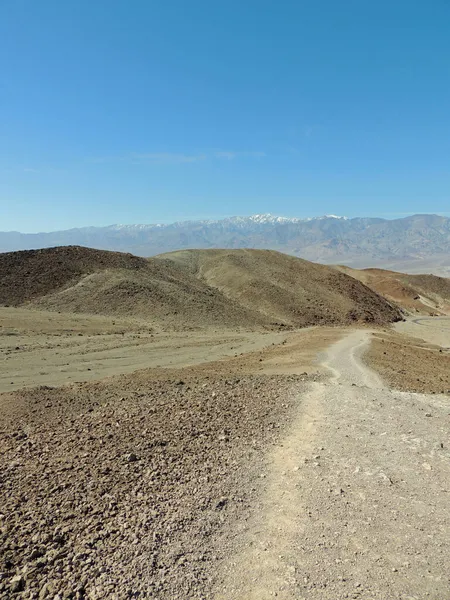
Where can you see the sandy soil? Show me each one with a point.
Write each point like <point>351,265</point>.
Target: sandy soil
<point>434,330</point>
<point>45,348</point>
<point>420,363</point>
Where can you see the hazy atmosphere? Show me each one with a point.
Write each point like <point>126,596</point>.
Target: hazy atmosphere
<point>143,112</point>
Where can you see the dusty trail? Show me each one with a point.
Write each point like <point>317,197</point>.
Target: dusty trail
<point>356,497</point>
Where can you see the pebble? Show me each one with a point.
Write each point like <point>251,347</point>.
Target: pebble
<point>87,522</point>
<point>17,584</point>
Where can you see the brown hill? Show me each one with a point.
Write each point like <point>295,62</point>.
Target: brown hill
<point>190,289</point>
<point>34,273</point>
<point>426,294</point>
<point>286,289</point>
<point>77,279</point>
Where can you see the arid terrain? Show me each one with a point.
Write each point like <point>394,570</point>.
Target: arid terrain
<point>412,244</point>
<point>221,425</point>
<point>423,294</point>
<point>191,290</point>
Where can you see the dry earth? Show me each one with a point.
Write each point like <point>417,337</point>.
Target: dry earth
<point>119,490</point>
<point>435,331</point>
<point>46,348</point>
<point>414,357</point>
<point>355,496</point>
<point>237,289</point>
<point>287,471</point>
<point>423,294</point>
<point>128,487</point>
<point>285,288</point>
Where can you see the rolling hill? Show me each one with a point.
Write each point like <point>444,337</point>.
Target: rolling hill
<point>77,279</point>
<point>425,294</point>
<point>191,289</point>
<point>285,288</point>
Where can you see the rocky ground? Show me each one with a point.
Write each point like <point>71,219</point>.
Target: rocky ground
<point>255,290</point>
<point>413,363</point>
<point>173,483</point>
<point>123,489</point>
<point>355,499</point>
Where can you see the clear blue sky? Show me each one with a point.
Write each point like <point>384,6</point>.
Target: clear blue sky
<point>138,111</point>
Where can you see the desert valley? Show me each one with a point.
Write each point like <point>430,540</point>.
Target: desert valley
<point>221,424</point>
<point>224,300</point>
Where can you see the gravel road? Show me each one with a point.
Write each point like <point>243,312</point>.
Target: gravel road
<point>356,496</point>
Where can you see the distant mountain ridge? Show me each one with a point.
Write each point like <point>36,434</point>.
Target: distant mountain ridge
<point>359,241</point>
<point>263,219</point>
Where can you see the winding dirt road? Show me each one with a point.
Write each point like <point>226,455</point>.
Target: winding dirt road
<point>356,496</point>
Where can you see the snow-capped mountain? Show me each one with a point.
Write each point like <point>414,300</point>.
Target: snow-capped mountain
<point>329,238</point>
<point>263,219</point>
<point>260,219</point>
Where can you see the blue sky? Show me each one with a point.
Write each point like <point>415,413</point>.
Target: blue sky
<point>142,111</point>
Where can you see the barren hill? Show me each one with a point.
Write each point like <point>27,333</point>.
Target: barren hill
<point>284,288</point>
<point>427,294</point>
<point>190,289</point>
<point>77,279</point>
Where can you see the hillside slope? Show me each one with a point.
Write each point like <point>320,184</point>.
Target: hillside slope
<point>426,294</point>
<point>190,289</point>
<point>290,290</point>
<point>77,279</point>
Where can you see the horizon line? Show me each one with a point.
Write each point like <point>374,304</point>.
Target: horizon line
<point>394,215</point>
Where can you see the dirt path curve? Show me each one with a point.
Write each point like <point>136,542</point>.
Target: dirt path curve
<point>356,497</point>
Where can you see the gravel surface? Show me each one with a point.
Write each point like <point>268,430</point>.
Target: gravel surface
<point>206,483</point>
<point>127,488</point>
<point>355,501</point>
<point>411,363</point>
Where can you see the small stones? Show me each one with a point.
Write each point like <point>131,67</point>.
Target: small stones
<point>17,584</point>
<point>221,503</point>
<point>85,522</point>
<point>36,553</point>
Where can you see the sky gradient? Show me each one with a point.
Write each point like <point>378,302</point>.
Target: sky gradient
<point>156,111</point>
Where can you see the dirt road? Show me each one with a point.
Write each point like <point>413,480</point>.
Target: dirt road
<point>356,496</point>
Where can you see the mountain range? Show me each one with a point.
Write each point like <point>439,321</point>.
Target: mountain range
<point>414,243</point>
